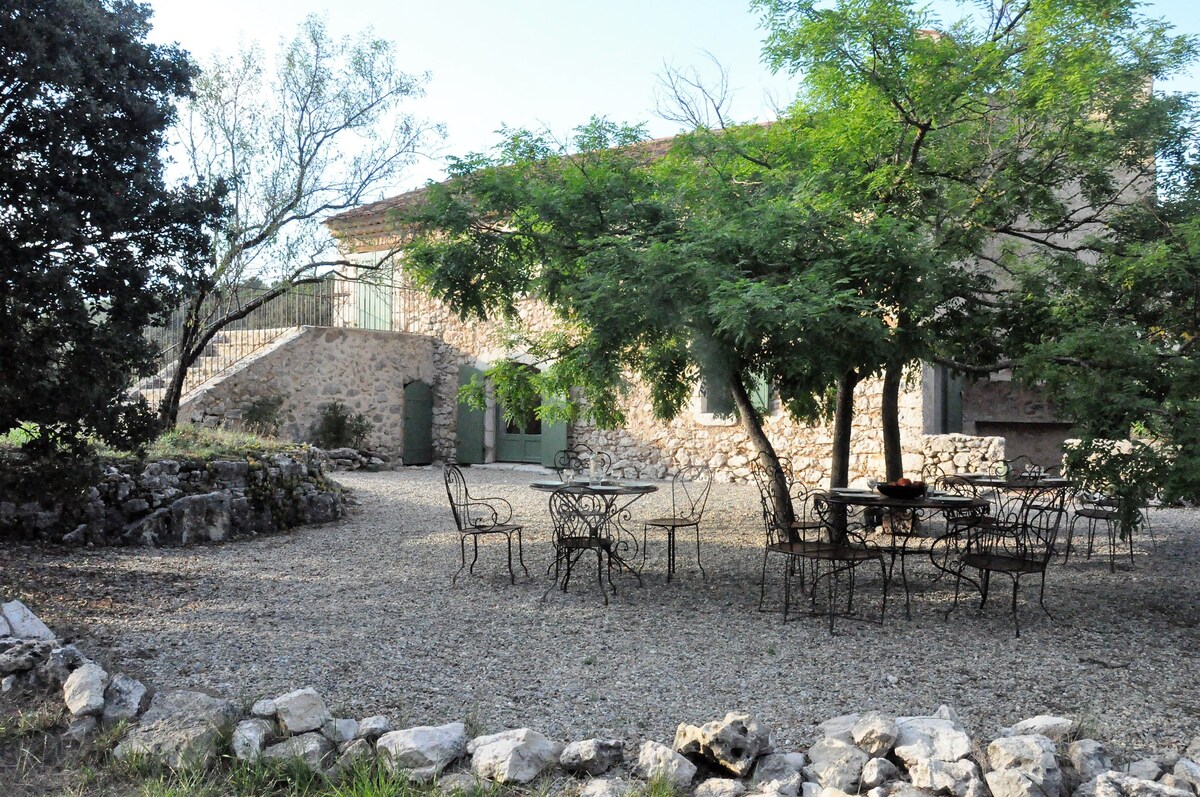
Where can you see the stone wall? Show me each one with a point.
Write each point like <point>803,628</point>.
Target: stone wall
<point>658,448</point>
<point>365,369</point>
<point>175,503</point>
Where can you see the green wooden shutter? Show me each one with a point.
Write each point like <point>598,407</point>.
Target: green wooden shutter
<point>469,445</point>
<point>418,424</point>
<point>760,394</point>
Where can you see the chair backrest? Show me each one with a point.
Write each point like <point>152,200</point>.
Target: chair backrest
<point>1022,468</point>
<point>780,502</point>
<point>689,492</point>
<point>578,458</point>
<point>577,513</point>
<point>459,495</point>
<point>1027,526</point>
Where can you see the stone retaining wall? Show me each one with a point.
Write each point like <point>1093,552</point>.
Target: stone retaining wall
<point>364,369</point>
<point>173,502</point>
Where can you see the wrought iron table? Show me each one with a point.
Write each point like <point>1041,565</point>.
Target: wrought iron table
<point>602,512</point>
<point>899,532</point>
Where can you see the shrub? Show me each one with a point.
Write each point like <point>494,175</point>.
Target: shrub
<point>262,416</point>
<point>337,427</point>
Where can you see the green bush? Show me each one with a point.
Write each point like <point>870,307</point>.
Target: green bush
<point>262,416</point>
<point>337,427</point>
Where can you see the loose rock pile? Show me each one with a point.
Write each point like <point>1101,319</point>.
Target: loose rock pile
<point>871,753</point>
<point>172,502</point>
<point>353,459</point>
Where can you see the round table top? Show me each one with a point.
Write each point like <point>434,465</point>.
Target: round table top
<point>931,500</point>
<point>1016,482</point>
<point>606,487</point>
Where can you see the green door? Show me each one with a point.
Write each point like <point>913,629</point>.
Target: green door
<point>517,442</point>
<point>469,442</point>
<point>373,297</point>
<point>418,424</point>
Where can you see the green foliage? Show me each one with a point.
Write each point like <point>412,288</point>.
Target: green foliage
<point>196,442</point>
<point>91,258</point>
<point>338,427</point>
<point>262,416</point>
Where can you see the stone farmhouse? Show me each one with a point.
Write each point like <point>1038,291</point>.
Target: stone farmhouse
<point>400,356</point>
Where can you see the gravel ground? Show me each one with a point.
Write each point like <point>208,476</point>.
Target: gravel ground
<point>363,610</point>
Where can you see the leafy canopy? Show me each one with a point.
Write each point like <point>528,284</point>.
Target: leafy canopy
<point>91,237</point>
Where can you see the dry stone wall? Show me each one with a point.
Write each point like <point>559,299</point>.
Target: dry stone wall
<point>365,369</point>
<point>171,502</point>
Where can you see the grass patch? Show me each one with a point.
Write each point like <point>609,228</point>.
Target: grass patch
<point>193,442</point>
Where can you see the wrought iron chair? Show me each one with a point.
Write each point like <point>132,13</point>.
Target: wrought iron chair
<point>577,460</point>
<point>801,529</point>
<point>689,496</point>
<point>1098,509</point>
<point>477,517</point>
<point>1016,541</point>
<point>580,524</point>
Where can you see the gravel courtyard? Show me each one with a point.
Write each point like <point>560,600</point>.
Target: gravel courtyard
<point>363,610</point>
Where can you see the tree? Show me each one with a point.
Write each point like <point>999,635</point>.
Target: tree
<point>321,134</point>
<point>91,237</point>
<point>1003,139</point>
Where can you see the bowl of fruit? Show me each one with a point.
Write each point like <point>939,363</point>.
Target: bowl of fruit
<point>906,489</point>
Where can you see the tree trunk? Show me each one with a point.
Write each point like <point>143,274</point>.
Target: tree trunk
<point>843,416</point>
<point>168,408</point>
<point>752,423</point>
<point>893,457</point>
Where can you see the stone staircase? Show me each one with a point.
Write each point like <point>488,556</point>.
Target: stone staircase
<point>223,354</point>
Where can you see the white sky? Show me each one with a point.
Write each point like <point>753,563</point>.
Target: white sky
<point>535,63</point>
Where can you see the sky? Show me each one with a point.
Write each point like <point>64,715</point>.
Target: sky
<point>538,63</point>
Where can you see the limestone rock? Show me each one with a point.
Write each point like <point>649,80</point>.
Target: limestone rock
<point>1145,769</point>
<point>1090,758</point>
<point>937,738</point>
<point>840,728</point>
<point>879,771</point>
<point>1056,729</point>
<point>606,787</point>
<point>720,787</point>
<point>1193,750</point>
<point>124,699</point>
<point>778,767</point>
<point>1188,770</point>
<point>592,756</point>
<point>836,764</point>
<point>25,655</point>
<point>513,756</point>
<point>732,743</point>
<point>312,748</point>
<point>5,628</point>
<point>945,777</point>
<point>301,711</point>
<point>423,746</point>
<point>658,760</point>
<point>84,690</point>
<point>340,731</point>
<point>1012,783</point>
<point>1171,781</point>
<point>874,734</point>
<point>264,709</point>
<point>1122,784</point>
<point>58,666</point>
<point>458,783</point>
<point>357,750</point>
<point>81,728</point>
<point>22,623</point>
<point>250,738</point>
<point>371,728</point>
<point>1033,755</point>
<point>181,728</point>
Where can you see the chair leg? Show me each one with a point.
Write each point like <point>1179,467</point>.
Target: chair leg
<point>512,577</point>
<point>462,546</point>
<point>645,529</point>
<point>986,582</point>
<point>521,553</point>
<point>1042,596</point>
<point>703,575</point>
<point>1070,537</point>
<point>475,558</point>
<point>762,584</point>
<point>670,553</point>
<point>600,574</point>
